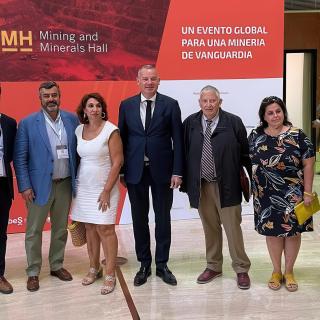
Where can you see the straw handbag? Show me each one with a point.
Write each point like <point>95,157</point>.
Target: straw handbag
<point>78,233</point>
<point>303,212</point>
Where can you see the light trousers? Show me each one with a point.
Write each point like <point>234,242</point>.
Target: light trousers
<point>213,217</point>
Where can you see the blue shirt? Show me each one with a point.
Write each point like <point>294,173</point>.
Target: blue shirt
<point>57,137</point>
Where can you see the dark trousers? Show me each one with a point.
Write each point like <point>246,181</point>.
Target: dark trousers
<point>162,197</point>
<point>5,205</point>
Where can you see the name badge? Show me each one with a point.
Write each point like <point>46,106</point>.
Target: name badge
<point>1,167</point>
<point>62,152</point>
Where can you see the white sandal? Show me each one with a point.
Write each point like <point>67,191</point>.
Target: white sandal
<point>92,276</point>
<point>107,287</point>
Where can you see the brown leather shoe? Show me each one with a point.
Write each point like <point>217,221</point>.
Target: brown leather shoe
<point>243,280</point>
<point>208,275</point>
<point>62,274</point>
<point>5,286</point>
<point>33,283</point>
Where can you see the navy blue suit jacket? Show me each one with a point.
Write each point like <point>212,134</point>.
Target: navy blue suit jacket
<point>33,159</point>
<point>9,129</point>
<point>163,139</point>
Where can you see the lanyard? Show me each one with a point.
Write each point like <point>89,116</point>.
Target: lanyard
<point>58,132</point>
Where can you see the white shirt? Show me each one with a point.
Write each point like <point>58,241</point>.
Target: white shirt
<point>57,136</point>
<point>143,111</point>
<point>214,124</point>
<point>143,108</point>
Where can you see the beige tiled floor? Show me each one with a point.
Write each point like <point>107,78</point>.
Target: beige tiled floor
<point>220,299</point>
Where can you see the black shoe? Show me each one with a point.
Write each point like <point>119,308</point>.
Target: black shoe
<point>142,276</point>
<point>167,276</point>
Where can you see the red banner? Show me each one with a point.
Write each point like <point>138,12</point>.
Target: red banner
<point>99,45</point>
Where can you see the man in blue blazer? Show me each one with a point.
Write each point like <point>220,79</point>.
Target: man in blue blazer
<point>45,166</point>
<point>8,129</point>
<point>151,131</point>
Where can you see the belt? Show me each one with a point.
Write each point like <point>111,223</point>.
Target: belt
<point>59,179</point>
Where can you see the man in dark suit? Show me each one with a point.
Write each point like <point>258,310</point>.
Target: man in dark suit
<point>45,166</point>
<point>8,128</point>
<point>151,132</point>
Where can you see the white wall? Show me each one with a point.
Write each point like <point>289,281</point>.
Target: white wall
<point>240,96</point>
<point>298,93</point>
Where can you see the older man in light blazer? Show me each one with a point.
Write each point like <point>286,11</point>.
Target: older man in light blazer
<point>45,165</point>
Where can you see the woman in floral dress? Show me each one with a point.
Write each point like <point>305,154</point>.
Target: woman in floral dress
<point>282,167</point>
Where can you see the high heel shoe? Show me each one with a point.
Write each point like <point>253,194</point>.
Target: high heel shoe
<point>109,284</point>
<point>92,276</point>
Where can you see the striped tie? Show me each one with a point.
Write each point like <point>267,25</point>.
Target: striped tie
<point>207,166</point>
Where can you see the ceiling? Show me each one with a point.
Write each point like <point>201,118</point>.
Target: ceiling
<point>302,5</point>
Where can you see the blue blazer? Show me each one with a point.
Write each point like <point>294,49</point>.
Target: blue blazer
<point>33,159</point>
<point>163,139</point>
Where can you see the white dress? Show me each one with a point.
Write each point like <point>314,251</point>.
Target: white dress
<point>93,171</point>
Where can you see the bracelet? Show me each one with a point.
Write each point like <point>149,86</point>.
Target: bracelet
<point>308,194</point>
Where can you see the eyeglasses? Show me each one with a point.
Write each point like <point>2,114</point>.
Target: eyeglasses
<point>272,99</point>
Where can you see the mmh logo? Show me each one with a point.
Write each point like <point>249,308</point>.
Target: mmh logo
<point>14,41</point>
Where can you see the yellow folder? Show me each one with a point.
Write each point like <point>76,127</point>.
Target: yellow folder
<point>305,212</point>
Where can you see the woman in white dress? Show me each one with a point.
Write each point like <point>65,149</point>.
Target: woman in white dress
<point>97,193</point>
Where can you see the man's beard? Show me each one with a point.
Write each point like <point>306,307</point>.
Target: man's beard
<point>51,104</point>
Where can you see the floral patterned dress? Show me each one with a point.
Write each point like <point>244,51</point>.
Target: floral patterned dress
<point>277,174</point>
